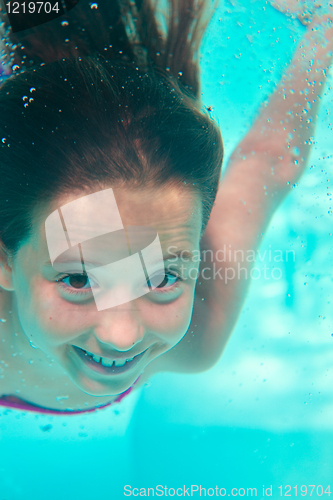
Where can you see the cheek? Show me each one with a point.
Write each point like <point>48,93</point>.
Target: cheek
<point>169,321</point>
<point>44,315</point>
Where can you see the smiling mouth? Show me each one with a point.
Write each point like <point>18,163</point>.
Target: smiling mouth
<point>105,365</point>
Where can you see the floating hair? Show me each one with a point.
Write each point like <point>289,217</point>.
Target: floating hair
<point>167,37</point>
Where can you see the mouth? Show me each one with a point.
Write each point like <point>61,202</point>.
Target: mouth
<point>107,366</point>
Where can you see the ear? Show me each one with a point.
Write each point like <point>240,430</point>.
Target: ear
<point>6,281</point>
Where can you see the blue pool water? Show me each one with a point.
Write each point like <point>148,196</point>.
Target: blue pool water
<point>263,416</point>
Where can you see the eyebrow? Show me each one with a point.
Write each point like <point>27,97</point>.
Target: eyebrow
<point>180,254</point>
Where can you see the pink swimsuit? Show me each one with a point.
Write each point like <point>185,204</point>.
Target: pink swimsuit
<point>21,404</point>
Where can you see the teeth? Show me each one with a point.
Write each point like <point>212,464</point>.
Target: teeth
<point>120,363</point>
<point>107,362</point>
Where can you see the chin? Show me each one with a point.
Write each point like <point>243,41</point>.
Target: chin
<point>98,388</point>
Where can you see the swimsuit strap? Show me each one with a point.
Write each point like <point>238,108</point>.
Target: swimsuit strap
<point>18,403</point>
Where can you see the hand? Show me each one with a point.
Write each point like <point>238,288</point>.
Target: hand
<point>303,10</point>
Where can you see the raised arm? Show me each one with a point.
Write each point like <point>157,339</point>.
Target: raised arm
<point>262,170</point>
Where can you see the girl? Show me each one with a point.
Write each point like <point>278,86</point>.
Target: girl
<point>109,132</point>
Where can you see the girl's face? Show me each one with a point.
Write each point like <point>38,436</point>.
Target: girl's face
<point>57,311</point>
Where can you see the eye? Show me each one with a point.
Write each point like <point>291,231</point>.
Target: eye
<point>78,280</point>
<point>168,281</point>
<point>77,284</point>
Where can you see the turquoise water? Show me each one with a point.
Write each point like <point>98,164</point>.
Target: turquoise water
<point>264,414</point>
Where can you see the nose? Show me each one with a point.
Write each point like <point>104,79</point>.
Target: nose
<point>120,327</point>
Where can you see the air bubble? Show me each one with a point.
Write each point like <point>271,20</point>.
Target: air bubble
<point>94,6</point>
<point>32,89</point>
<point>46,428</point>
<point>59,398</point>
<point>64,23</point>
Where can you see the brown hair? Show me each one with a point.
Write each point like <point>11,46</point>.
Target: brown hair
<point>104,95</point>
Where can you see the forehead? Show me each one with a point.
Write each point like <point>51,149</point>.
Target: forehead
<point>173,211</point>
